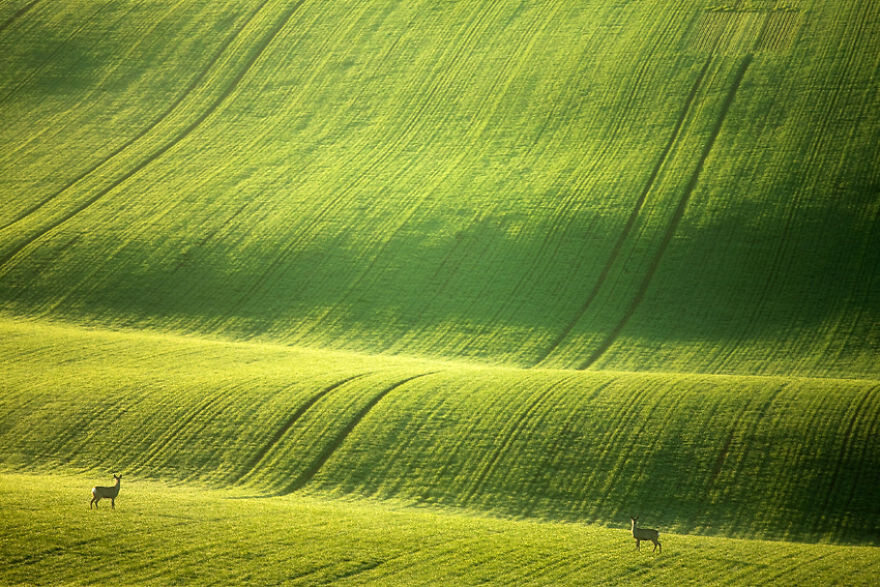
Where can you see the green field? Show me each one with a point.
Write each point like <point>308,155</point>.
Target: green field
<point>449,289</point>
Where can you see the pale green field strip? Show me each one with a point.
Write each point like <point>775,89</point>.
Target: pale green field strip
<point>659,186</point>
<point>781,458</point>
<point>161,533</point>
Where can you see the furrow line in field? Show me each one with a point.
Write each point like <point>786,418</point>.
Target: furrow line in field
<point>251,465</point>
<point>755,424</point>
<point>414,122</point>
<point>602,473</point>
<point>149,127</point>
<point>69,439</point>
<point>725,450</point>
<point>625,452</point>
<point>454,261</point>
<point>257,51</point>
<point>555,230</point>
<point>17,14</point>
<point>780,569</point>
<point>447,463</point>
<point>575,196</point>
<point>86,104</point>
<point>872,434</point>
<point>303,478</point>
<point>675,220</point>
<point>216,403</point>
<point>390,144</point>
<point>631,220</point>
<point>39,556</point>
<point>858,413</point>
<point>529,506</point>
<point>774,273</point>
<point>668,402</point>
<point>501,85</point>
<point>515,428</point>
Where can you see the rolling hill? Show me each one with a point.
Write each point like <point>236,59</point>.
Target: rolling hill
<point>561,262</point>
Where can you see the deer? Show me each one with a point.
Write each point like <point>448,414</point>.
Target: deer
<point>110,493</point>
<point>645,534</point>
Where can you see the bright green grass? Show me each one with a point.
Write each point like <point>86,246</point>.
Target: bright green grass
<point>765,457</point>
<point>161,533</point>
<point>673,185</point>
<point>559,260</point>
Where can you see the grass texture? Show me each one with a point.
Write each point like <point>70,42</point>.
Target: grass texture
<point>779,458</point>
<point>483,277</point>
<point>666,185</point>
<point>167,534</point>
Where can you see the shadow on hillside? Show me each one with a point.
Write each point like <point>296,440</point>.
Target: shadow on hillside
<point>749,271</point>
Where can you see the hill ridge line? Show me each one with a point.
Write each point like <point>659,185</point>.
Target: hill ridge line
<point>415,361</point>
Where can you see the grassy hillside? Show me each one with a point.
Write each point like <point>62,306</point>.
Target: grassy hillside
<point>217,538</point>
<point>762,457</point>
<point>674,186</point>
<point>556,262</point>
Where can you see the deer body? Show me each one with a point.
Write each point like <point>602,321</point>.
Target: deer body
<point>645,534</point>
<point>110,493</point>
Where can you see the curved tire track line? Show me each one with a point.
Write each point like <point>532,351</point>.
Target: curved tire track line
<point>158,120</point>
<point>303,478</point>
<point>514,431</point>
<point>845,445</point>
<point>179,136</point>
<point>260,455</point>
<point>618,246</point>
<point>420,103</point>
<point>676,218</point>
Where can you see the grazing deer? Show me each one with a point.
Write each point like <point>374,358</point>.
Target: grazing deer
<point>108,492</point>
<point>645,534</point>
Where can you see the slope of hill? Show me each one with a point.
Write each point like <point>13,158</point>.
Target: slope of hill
<point>552,260</point>
<point>169,534</point>
<point>643,186</point>
<point>768,457</point>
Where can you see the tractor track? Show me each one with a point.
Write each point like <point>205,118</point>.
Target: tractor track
<point>251,465</point>
<point>676,218</point>
<point>308,474</point>
<point>257,51</point>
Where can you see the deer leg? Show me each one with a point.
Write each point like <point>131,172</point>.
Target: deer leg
<point>113,503</point>
<point>637,545</point>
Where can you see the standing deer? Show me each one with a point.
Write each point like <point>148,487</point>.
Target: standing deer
<point>108,492</point>
<point>645,534</point>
